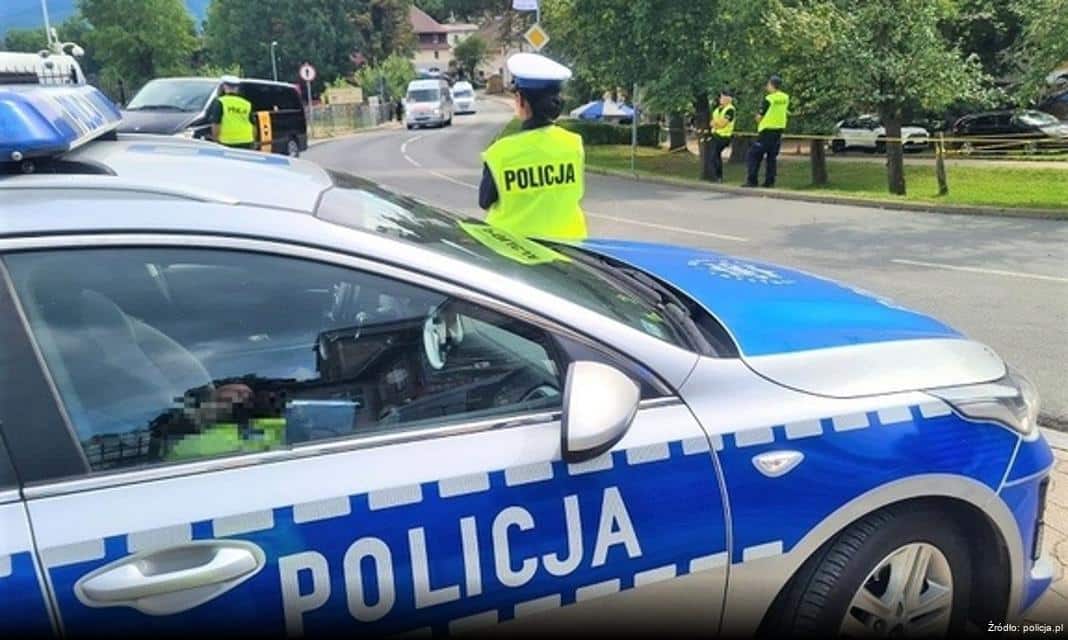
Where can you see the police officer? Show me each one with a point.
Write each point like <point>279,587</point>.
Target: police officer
<point>771,122</point>
<point>231,116</point>
<point>532,181</point>
<point>722,130</point>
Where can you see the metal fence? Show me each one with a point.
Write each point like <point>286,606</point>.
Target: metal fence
<point>326,120</point>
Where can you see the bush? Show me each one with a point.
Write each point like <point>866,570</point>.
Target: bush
<point>601,133</point>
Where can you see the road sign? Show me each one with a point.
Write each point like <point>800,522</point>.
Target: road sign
<point>537,37</point>
<point>307,72</point>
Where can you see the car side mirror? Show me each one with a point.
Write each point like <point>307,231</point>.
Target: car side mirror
<point>600,403</point>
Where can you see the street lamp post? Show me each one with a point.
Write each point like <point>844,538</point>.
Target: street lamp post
<point>274,62</point>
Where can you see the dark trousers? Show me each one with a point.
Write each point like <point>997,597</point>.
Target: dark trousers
<point>767,145</point>
<point>715,155</point>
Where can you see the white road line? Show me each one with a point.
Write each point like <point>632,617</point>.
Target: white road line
<point>992,272</point>
<point>416,163</point>
<point>666,227</point>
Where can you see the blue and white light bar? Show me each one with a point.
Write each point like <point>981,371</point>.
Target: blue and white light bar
<point>40,121</point>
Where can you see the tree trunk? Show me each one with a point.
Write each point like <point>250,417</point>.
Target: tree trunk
<point>739,149</point>
<point>701,121</point>
<point>676,132</point>
<point>817,153</point>
<point>895,159</point>
<point>940,167</point>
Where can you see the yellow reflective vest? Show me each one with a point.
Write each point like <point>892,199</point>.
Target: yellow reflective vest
<point>719,113</point>
<point>235,127</point>
<point>775,116</point>
<point>539,179</point>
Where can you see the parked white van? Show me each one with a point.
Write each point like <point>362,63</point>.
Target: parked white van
<point>428,103</point>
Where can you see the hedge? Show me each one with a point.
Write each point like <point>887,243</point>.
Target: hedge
<point>601,133</point>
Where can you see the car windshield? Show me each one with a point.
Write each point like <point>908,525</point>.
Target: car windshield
<point>424,95</point>
<point>1037,119</point>
<point>564,271</point>
<point>462,93</point>
<point>173,94</point>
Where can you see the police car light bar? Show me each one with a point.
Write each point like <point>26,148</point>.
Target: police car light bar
<point>38,121</point>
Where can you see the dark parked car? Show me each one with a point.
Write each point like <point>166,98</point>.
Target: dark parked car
<point>179,106</point>
<point>1056,104</point>
<point>1003,131</point>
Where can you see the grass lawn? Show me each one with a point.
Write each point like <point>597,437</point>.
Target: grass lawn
<point>1038,187</point>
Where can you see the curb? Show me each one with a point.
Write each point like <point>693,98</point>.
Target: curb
<point>1056,439</point>
<point>782,194</point>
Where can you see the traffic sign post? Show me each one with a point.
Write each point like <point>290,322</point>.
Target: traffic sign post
<point>536,37</point>
<point>307,74</point>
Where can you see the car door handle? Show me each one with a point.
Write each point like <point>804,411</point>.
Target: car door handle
<point>195,567</point>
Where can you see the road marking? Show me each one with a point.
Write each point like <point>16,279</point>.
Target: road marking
<point>416,163</point>
<point>666,227</point>
<point>993,272</point>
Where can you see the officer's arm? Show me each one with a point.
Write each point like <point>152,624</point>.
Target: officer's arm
<point>215,117</point>
<point>487,189</point>
<point>764,106</point>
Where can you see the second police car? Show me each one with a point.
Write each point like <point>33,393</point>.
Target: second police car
<point>241,394</point>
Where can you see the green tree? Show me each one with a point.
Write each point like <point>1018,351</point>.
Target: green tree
<point>462,10</point>
<point>888,56</point>
<point>1043,44</point>
<point>470,54</point>
<point>137,40</point>
<point>393,74</point>
<point>330,34</point>
<point>25,40</point>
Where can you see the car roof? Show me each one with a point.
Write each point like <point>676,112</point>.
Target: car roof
<point>218,80</point>
<point>152,164</point>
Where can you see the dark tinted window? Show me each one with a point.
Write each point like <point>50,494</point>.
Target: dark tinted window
<point>168,354</point>
<point>270,97</point>
<point>7,472</point>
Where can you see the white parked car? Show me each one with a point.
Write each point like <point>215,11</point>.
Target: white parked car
<point>463,97</point>
<point>867,132</point>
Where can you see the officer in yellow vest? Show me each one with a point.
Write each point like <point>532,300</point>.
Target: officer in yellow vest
<point>231,116</point>
<point>771,122</point>
<point>532,181</point>
<point>722,130</point>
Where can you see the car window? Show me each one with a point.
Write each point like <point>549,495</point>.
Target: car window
<point>424,95</point>
<point>359,205</point>
<point>167,355</point>
<point>287,98</point>
<point>173,94</point>
<point>7,472</point>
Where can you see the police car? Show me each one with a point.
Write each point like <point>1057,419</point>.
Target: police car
<point>241,394</point>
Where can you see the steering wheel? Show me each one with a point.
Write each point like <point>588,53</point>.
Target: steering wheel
<point>442,332</point>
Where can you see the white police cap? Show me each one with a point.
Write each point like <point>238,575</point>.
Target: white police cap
<point>230,80</point>
<point>533,71</point>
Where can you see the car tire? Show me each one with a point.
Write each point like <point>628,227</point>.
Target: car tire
<point>410,126</point>
<point>293,147</point>
<point>823,597</point>
<point>880,146</point>
<point>838,145</point>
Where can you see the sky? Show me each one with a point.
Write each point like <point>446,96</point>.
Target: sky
<point>22,14</point>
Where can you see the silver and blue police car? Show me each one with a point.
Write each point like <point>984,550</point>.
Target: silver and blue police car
<point>241,394</point>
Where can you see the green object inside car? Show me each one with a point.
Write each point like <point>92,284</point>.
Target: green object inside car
<point>263,434</point>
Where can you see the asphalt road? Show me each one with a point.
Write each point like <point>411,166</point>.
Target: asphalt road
<point>1003,281</point>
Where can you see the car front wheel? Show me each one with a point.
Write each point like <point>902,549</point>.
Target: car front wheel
<point>897,572</point>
